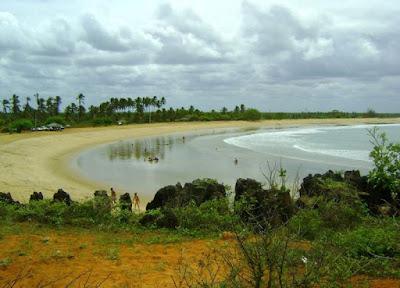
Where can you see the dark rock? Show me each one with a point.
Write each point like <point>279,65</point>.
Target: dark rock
<point>315,185</point>
<point>36,196</point>
<point>262,207</point>
<point>198,191</point>
<point>125,202</point>
<point>7,198</point>
<point>148,219</point>
<point>100,193</point>
<point>351,187</point>
<point>168,220</point>
<point>102,201</point>
<point>163,196</point>
<point>62,196</point>
<point>246,186</point>
<point>354,178</point>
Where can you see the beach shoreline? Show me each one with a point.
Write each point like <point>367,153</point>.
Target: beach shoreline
<point>40,161</point>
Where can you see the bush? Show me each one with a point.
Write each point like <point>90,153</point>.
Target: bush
<point>103,121</point>
<point>56,119</point>
<point>212,216</point>
<point>370,242</point>
<point>251,115</point>
<point>330,216</point>
<point>20,125</point>
<point>386,156</point>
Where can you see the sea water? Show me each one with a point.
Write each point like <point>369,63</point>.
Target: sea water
<point>211,154</point>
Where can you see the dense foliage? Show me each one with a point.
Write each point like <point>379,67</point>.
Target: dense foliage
<point>386,157</point>
<point>139,110</point>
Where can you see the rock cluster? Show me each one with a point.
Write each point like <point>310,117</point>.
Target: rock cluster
<point>198,191</point>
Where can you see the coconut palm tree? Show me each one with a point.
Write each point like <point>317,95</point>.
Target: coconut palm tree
<point>81,108</point>
<point>15,104</point>
<point>6,106</point>
<point>57,103</point>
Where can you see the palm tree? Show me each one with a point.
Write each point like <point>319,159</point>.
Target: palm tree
<point>15,104</point>
<point>57,103</point>
<point>6,106</point>
<point>50,106</point>
<point>81,101</point>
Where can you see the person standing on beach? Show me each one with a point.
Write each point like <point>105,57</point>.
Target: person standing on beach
<point>136,202</point>
<point>113,196</point>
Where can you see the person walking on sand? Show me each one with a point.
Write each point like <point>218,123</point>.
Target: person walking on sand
<point>136,202</point>
<point>113,196</point>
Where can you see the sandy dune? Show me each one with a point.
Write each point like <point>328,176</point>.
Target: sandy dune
<point>39,161</point>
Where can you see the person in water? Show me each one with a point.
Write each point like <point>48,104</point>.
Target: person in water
<point>236,161</point>
<point>113,196</point>
<point>136,202</point>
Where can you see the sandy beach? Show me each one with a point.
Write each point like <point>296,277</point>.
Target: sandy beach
<point>38,161</point>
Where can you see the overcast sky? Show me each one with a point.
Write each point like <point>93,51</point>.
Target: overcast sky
<point>273,55</point>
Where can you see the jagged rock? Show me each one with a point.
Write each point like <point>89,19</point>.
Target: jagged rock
<point>36,196</point>
<point>100,193</point>
<point>125,202</point>
<point>198,191</point>
<point>260,206</point>
<point>314,185</point>
<point>246,186</point>
<point>7,198</point>
<point>102,201</point>
<point>163,196</point>
<point>62,196</point>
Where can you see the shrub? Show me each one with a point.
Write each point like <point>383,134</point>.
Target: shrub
<point>103,121</point>
<point>213,216</point>
<point>386,156</point>
<point>20,125</point>
<point>330,216</point>
<point>251,115</point>
<point>56,119</point>
<point>370,242</point>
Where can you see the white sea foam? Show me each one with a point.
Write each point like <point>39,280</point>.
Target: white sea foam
<point>360,155</point>
<point>288,141</point>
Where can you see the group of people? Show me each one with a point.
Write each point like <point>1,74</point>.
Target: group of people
<point>135,199</point>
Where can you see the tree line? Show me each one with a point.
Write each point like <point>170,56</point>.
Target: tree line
<point>19,114</point>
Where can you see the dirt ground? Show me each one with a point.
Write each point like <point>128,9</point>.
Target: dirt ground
<point>81,258</point>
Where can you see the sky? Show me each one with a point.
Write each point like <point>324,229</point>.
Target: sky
<point>271,55</point>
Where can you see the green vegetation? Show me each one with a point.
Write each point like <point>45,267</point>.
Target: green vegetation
<point>329,238</point>
<point>20,125</point>
<point>137,110</point>
<point>386,157</point>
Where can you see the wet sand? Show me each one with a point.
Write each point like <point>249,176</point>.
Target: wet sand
<point>39,161</point>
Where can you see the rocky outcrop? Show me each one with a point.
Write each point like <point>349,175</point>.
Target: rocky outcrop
<point>198,191</point>
<point>62,196</point>
<point>125,202</point>
<point>36,196</point>
<point>100,193</point>
<point>246,186</point>
<point>260,206</point>
<point>167,194</point>
<point>102,201</point>
<point>7,198</point>
<point>349,187</point>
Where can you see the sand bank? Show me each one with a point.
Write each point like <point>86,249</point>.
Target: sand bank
<point>39,161</point>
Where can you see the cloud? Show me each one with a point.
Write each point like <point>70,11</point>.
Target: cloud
<point>272,56</point>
